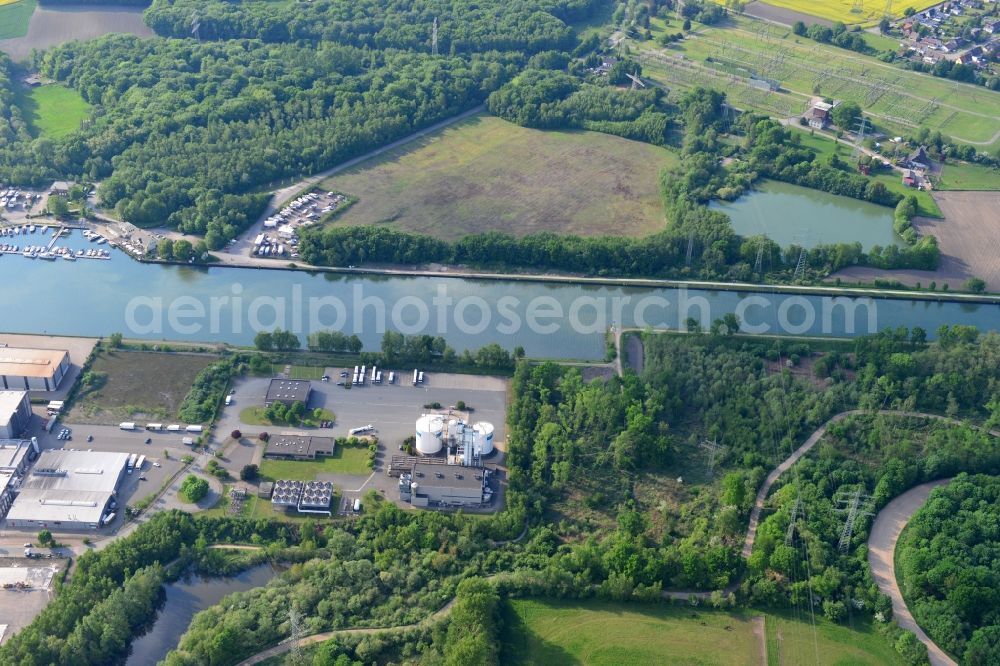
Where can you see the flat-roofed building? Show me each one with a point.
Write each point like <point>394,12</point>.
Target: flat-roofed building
<point>446,486</point>
<point>23,369</point>
<point>288,391</point>
<point>298,447</point>
<point>69,490</point>
<point>15,454</point>
<point>15,413</point>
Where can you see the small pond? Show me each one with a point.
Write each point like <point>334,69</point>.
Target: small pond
<point>186,597</point>
<point>791,214</point>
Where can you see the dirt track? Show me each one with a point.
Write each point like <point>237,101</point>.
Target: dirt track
<point>969,238</point>
<point>885,533</point>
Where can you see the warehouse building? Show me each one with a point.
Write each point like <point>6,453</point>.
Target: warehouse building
<point>446,486</point>
<point>298,447</point>
<point>25,369</point>
<point>14,458</point>
<point>15,413</point>
<point>69,490</point>
<point>288,391</point>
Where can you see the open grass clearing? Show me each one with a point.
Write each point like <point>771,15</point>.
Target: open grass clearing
<point>965,176</point>
<point>899,100</point>
<point>14,17</point>
<point>599,633</point>
<point>345,460</point>
<point>135,385</point>
<point>53,110</point>
<point>485,174</point>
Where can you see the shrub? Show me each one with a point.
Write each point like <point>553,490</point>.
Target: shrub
<point>249,473</point>
<point>193,489</point>
<point>236,434</point>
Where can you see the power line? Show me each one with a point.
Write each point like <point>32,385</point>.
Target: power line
<point>853,504</point>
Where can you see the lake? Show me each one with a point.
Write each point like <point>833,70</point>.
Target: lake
<point>52,26</point>
<point>795,215</point>
<point>185,598</point>
<point>550,320</point>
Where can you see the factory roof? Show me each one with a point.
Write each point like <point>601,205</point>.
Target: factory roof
<point>288,390</point>
<point>299,446</point>
<point>23,362</point>
<point>447,476</point>
<point>68,486</point>
<point>9,402</point>
<point>12,452</point>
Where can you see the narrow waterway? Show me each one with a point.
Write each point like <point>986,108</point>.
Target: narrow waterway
<point>97,297</point>
<point>185,598</point>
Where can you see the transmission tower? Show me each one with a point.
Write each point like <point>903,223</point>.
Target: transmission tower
<point>800,265</point>
<point>790,532</point>
<point>690,250</point>
<point>295,629</point>
<point>636,81</point>
<point>853,504</point>
<point>759,263</point>
<point>196,25</point>
<point>714,450</point>
<point>860,136</point>
<point>858,7</point>
<point>434,38</point>
<point>887,12</point>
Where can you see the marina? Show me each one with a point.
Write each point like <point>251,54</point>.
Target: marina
<point>33,244</point>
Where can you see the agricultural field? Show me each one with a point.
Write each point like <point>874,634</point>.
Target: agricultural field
<point>598,633</point>
<point>485,174</point>
<point>122,386</point>
<point>843,10</point>
<point>14,17</point>
<point>964,176</point>
<point>345,460</point>
<point>53,111</point>
<point>899,100</point>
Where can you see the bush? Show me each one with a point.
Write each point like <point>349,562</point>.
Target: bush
<point>45,538</point>
<point>236,434</point>
<point>975,285</point>
<point>263,437</point>
<point>193,489</point>
<point>249,473</point>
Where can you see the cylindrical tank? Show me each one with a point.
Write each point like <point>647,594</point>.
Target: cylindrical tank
<point>484,438</point>
<point>429,429</point>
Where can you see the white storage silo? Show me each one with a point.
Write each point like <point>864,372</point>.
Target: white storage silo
<point>429,429</point>
<point>484,438</point>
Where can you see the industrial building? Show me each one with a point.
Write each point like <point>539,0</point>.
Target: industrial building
<point>288,391</point>
<point>15,413</point>
<point>32,369</point>
<point>304,497</point>
<point>432,434</point>
<point>69,490</point>
<point>14,458</point>
<point>298,447</point>
<point>446,486</point>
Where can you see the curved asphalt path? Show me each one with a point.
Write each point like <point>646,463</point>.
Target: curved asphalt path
<point>882,541</point>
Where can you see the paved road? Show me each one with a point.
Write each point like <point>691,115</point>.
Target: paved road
<point>885,533</point>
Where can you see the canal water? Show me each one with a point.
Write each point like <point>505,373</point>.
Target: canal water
<point>185,598</point>
<point>159,302</point>
<point>52,26</point>
<point>794,215</point>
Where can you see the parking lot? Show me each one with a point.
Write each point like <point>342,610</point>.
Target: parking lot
<point>18,607</point>
<point>392,408</point>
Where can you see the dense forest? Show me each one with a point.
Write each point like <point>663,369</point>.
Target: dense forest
<point>463,26</point>
<point>185,133</point>
<point>949,561</point>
